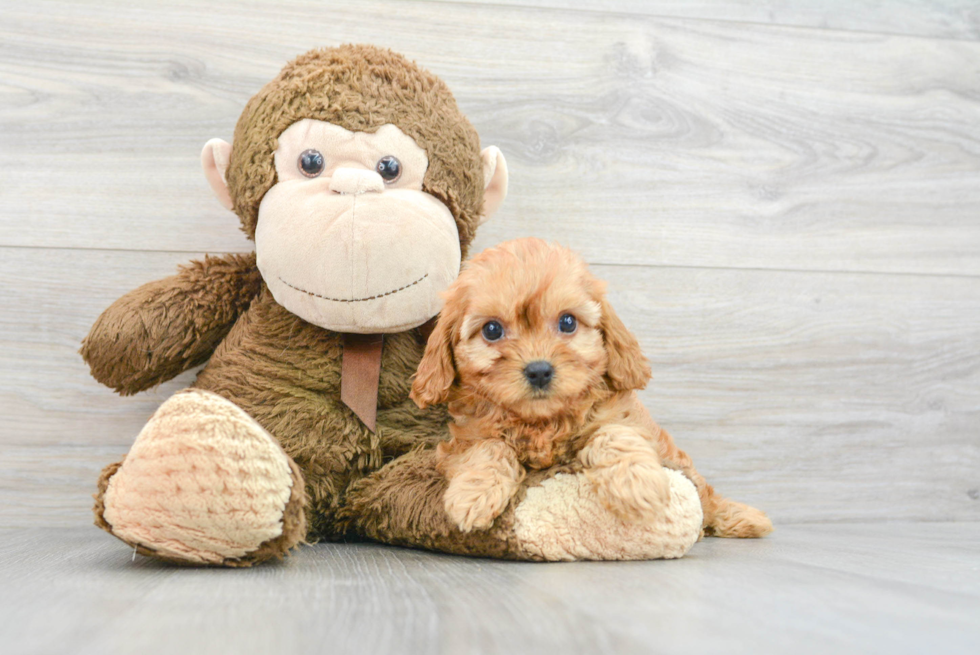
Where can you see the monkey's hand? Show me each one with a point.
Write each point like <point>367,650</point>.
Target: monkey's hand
<point>165,327</point>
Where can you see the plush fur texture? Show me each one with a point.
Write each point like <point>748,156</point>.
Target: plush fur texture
<point>361,88</point>
<point>593,533</point>
<point>401,504</point>
<point>285,373</point>
<point>204,482</point>
<point>279,369</point>
<point>554,516</point>
<point>165,492</point>
<point>165,327</point>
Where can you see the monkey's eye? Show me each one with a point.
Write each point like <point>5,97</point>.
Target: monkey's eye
<point>567,323</point>
<point>310,163</point>
<point>389,168</point>
<point>492,330</point>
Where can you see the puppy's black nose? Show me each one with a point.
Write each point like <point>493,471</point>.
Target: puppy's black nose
<point>539,374</point>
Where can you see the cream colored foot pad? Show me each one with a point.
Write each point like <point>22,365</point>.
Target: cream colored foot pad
<point>204,482</point>
<point>563,520</point>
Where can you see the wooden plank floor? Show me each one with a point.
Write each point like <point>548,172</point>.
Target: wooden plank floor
<point>887,588</point>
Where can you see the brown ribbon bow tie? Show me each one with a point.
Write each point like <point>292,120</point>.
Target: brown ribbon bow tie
<point>360,372</point>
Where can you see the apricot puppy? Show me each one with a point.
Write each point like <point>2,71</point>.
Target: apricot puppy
<point>538,370</point>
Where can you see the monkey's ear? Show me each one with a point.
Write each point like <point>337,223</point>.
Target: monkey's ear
<point>494,181</point>
<point>214,159</point>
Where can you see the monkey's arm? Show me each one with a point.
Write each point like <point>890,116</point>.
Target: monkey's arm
<point>165,327</point>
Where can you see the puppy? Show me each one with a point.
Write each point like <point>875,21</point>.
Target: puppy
<point>538,371</point>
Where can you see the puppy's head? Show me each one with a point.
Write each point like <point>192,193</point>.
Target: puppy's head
<point>527,327</point>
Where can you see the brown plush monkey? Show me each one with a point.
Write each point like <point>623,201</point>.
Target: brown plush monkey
<point>362,185</point>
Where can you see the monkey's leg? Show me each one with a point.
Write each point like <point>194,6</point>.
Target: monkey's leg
<point>204,484</point>
<point>555,515</point>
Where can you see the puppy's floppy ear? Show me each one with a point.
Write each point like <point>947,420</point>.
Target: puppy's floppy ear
<point>436,371</point>
<point>628,367</point>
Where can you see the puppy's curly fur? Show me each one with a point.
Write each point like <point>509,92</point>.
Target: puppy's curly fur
<point>505,423</point>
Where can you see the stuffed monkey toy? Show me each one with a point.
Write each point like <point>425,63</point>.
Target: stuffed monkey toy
<point>362,185</point>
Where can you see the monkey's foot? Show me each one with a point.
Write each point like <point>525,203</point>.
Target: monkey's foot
<point>204,484</point>
<point>555,516</point>
<point>565,519</point>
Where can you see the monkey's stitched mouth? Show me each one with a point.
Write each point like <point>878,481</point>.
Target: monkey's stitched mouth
<point>374,297</point>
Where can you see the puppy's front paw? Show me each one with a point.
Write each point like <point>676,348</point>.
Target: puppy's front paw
<point>633,491</point>
<point>475,498</point>
<point>627,474</point>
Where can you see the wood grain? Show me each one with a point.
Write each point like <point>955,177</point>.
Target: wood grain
<point>947,19</point>
<point>638,140</point>
<point>818,396</point>
<point>806,589</point>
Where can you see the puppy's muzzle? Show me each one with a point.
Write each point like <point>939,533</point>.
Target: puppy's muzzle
<point>539,374</point>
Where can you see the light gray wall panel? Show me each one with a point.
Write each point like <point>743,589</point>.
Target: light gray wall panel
<point>636,139</point>
<point>950,19</point>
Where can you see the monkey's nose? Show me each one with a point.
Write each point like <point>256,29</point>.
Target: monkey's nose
<point>539,373</point>
<point>355,181</point>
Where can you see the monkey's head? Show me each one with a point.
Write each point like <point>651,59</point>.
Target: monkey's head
<point>362,185</point>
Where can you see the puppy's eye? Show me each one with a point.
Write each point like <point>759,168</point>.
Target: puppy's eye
<point>310,163</point>
<point>389,168</point>
<point>492,330</point>
<point>567,323</point>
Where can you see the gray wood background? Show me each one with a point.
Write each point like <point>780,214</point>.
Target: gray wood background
<point>784,196</point>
